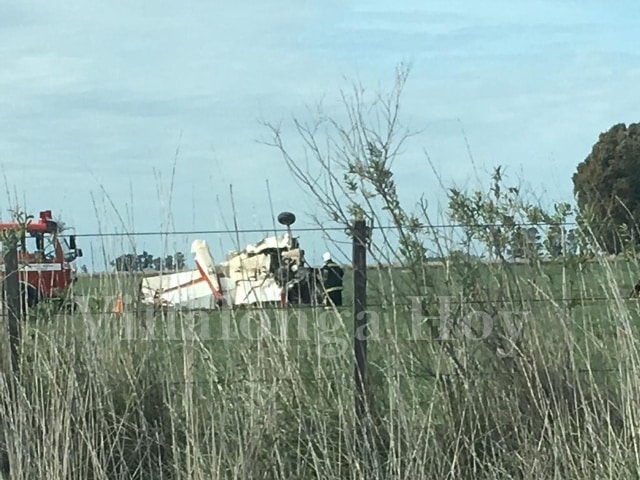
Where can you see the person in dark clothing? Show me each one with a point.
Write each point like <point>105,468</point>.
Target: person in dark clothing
<point>303,286</point>
<point>286,277</point>
<point>332,275</point>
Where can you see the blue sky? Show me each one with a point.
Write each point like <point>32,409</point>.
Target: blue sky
<point>99,100</point>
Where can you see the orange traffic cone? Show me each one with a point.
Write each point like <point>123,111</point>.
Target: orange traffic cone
<point>119,307</point>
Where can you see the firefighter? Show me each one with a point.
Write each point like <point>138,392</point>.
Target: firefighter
<point>292,285</point>
<point>332,275</point>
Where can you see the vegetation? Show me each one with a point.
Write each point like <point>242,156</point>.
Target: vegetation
<point>606,183</point>
<point>130,262</point>
<point>478,369</point>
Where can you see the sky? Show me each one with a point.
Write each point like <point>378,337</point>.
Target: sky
<point>139,116</point>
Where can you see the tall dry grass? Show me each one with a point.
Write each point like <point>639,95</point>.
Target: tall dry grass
<point>92,403</point>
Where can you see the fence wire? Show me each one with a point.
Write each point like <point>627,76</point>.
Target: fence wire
<point>561,301</point>
<point>343,228</point>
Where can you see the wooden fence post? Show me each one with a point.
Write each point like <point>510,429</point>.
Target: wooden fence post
<point>359,259</point>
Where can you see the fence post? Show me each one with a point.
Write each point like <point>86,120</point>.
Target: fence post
<point>13,303</point>
<point>359,260</point>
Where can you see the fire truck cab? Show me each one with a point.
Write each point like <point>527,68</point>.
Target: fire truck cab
<point>45,259</point>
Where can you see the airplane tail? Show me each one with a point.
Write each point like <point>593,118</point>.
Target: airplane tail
<point>206,266</point>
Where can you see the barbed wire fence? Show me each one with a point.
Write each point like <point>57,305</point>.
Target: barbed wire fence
<point>360,310</point>
<point>373,250</point>
<point>382,253</point>
<point>359,236</point>
<point>334,228</point>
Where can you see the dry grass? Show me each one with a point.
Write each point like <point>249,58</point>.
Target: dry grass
<point>93,403</point>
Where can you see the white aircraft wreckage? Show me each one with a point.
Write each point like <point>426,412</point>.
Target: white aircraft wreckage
<point>270,272</point>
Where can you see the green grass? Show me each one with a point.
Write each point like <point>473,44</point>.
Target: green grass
<point>206,396</point>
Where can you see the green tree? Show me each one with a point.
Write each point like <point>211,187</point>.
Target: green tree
<point>145,260</point>
<point>505,224</point>
<point>179,260</point>
<point>606,187</point>
<point>127,262</point>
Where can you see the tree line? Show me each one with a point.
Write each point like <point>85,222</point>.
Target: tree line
<point>130,262</point>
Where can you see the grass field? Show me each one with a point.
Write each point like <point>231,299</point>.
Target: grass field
<point>550,393</point>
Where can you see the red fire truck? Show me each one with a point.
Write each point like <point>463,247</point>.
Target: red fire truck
<point>45,259</point>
